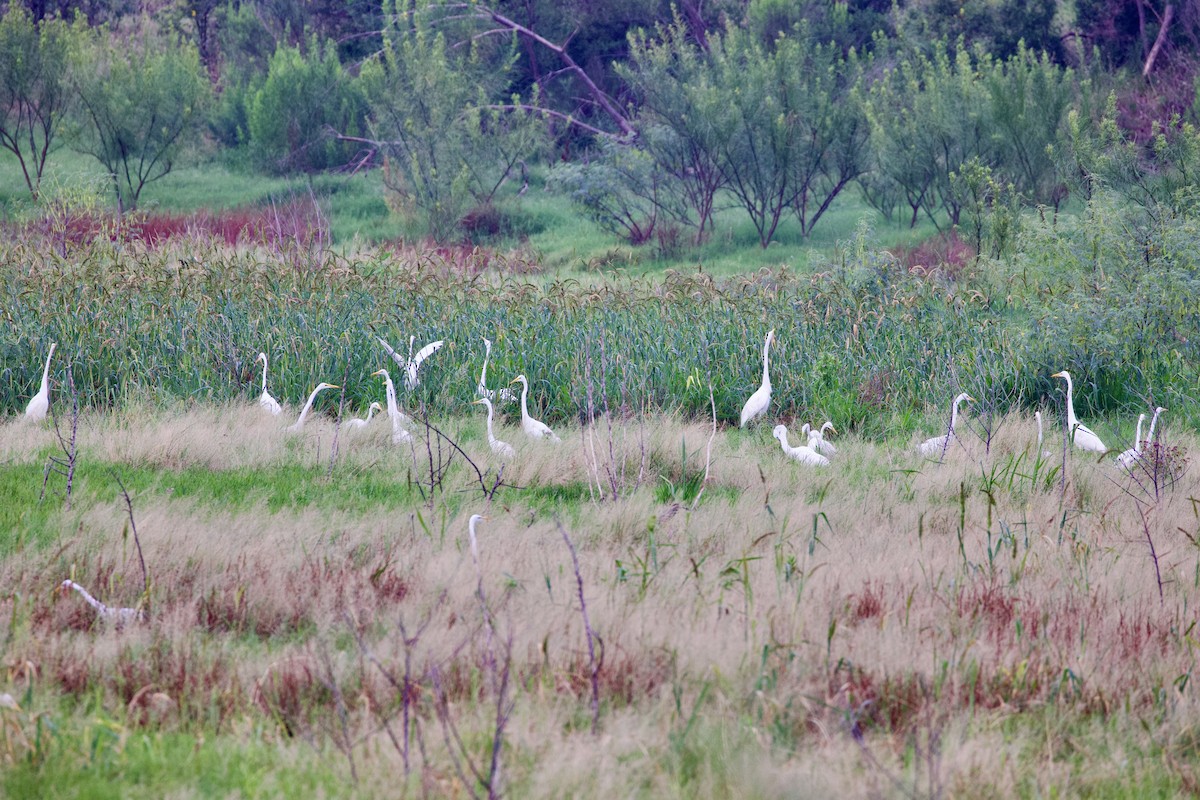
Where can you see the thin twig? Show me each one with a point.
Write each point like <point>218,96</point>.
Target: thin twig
<point>587,627</point>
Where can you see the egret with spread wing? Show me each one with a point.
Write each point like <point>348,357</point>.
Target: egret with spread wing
<point>413,363</point>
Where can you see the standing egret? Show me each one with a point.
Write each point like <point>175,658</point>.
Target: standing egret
<point>1083,436</point>
<point>759,401</point>
<point>471,523</point>
<point>269,404</point>
<point>307,406</point>
<point>816,439</point>
<point>805,455</point>
<point>399,434</point>
<point>533,428</point>
<point>413,363</point>
<point>505,395</point>
<point>1153,424</point>
<point>1134,454</point>
<point>358,422</point>
<point>502,449</point>
<point>938,444</point>
<point>39,404</point>
<point>118,616</point>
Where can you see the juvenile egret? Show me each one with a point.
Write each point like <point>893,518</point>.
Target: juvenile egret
<point>502,449</point>
<point>117,616</point>
<point>39,404</point>
<point>413,363</point>
<point>399,434</point>
<point>1083,436</point>
<point>805,455</point>
<point>506,395</point>
<point>359,422</point>
<point>1134,454</point>
<point>532,427</point>
<point>308,406</point>
<point>270,404</point>
<point>938,444</point>
<point>816,439</point>
<point>759,401</point>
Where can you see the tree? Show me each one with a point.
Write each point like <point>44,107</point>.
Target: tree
<point>35,93</point>
<point>141,103</point>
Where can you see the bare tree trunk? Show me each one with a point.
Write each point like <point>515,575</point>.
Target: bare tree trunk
<point>1168,14</point>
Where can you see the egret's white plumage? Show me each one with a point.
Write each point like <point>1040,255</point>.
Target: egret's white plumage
<point>1127,459</point>
<point>502,449</point>
<point>816,439</point>
<point>360,422</point>
<point>758,402</point>
<point>116,616</point>
<point>39,404</point>
<point>805,455</point>
<point>533,428</point>
<point>308,406</point>
<point>413,363</point>
<point>1154,424</point>
<point>399,433</point>
<point>1083,436</point>
<point>471,523</point>
<point>269,403</point>
<point>938,444</point>
<point>504,394</point>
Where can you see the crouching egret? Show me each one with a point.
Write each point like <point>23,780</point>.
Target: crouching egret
<point>119,617</point>
<point>761,398</point>
<point>413,363</point>
<point>1083,436</point>
<point>805,455</point>
<point>505,394</point>
<point>937,445</point>
<point>1134,454</point>
<point>816,439</point>
<point>39,404</point>
<point>269,404</point>
<point>502,449</point>
<point>533,428</point>
<point>308,406</point>
<point>399,434</point>
<point>359,422</point>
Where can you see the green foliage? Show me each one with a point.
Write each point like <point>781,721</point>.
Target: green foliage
<point>306,99</point>
<point>619,186</point>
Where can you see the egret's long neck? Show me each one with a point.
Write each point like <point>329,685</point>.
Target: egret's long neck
<point>264,374</point>
<point>1153,422</point>
<point>1137,437</point>
<point>1070,407</point>
<point>483,373</point>
<point>489,410</point>
<point>307,406</point>
<point>1038,417</point>
<point>91,601</point>
<point>524,397</point>
<point>393,409</point>
<point>954,415</point>
<point>46,369</point>
<point>370,411</point>
<point>766,353</point>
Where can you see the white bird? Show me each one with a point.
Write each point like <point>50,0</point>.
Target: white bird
<point>502,449</point>
<point>805,455</point>
<point>1153,424</point>
<point>471,523</point>
<point>399,433</point>
<point>308,406</point>
<point>39,404</point>
<point>1134,454</point>
<point>269,404</point>
<point>816,439</point>
<point>413,363</point>
<point>359,422</point>
<point>533,428</point>
<point>759,401</point>
<point>117,616</point>
<point>938,444</point>
<point>506,395</point>
<point>1083,436</point>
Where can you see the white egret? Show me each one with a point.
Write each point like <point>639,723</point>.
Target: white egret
<point>399,434</point>
<point>937,445</point>
<point>117,616</point>
<point>471,523</point>
<point>39,404</point>
<point>816,439</point>
<point>761,398</point>
<point>359,422</point>
<point>505,394</point>
<point>533,428</point>
<point>413,363</point>
<point>308,406</point>
<point>269,404</point>
<point>1083,436</point>
<point>805,455</point>
<point>1153,424</point>
<point>502,449</point>
<point>1134,454</point>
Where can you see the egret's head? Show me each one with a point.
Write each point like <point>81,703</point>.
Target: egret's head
<point>487,343</point>
<point>780,432</point>
<point>382,372</point>
<point>262,357</point>
<point>519,379</point>
<point>1159,410</point>
<point>1064,375</point>
<point>828,424</point>
<point>375,405</point>
<point>321,386</point>
<point>483,401</point>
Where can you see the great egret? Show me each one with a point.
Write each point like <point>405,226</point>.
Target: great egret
<point>532,427</point>
<point>505,395</point>
<point>117,616</point>
<point>1134,454</point>
<point>39,404</point>
<point>359,422</point>
<point>399,434</point>
<point>413,363</point>
<point>270,404</point>
<point>816,439</point>
<point>1154,423</point>
<point>805,455</point>
<point>502,449</point>
<point>1083,436</point>
<point>761,398</point>
<point>938,444</point>
<point>308,406</point>
<point>471,523</point>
